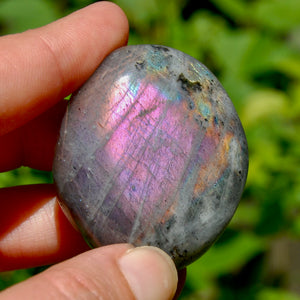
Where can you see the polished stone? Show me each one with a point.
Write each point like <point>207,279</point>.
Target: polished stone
<point>151,152</point>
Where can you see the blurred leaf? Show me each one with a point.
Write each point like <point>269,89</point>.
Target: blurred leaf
<point>20,15</point>
<point>13,277</point>
<point>235,9</point>
<point>277,15</point>
<point>224,258</point>
<point>246,216</point>
<point>23,176</point>
<point>263,104</point>
<point>276,294</point>
<point>147,11</point>
<point>291,66</point>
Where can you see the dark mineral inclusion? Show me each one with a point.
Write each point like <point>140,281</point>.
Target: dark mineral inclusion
<point>151,152</point>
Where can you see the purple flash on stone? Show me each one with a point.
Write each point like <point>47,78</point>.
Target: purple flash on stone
<point>151,152</point>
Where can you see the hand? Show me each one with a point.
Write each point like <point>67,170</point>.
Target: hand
<point>38,69</point>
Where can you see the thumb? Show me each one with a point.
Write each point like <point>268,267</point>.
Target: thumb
<point>110,272</point>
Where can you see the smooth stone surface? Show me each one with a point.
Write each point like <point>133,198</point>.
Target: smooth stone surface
<point>151,152</point>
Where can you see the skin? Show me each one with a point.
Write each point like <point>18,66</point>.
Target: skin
<point>38,69</point>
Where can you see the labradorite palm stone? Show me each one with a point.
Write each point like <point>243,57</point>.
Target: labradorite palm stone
<point>151,152</point>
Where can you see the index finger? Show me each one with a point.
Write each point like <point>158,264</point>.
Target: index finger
<point>41,66</point>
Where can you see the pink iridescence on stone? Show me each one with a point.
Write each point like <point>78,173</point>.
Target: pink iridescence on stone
<point>151,152</point>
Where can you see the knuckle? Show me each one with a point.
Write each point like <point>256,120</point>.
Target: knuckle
<point>73,284</point>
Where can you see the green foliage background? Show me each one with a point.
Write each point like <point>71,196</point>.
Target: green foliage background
<point>253,46</point>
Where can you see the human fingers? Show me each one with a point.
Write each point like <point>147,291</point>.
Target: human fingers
<point>111,272</point>
<point>34,230</point>
<point>33,144</point>
<point>42,66</point>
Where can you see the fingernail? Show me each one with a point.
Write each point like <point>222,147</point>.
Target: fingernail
<point>150,273</point>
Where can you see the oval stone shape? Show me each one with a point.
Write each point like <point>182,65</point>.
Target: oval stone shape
<point>151,152</point>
